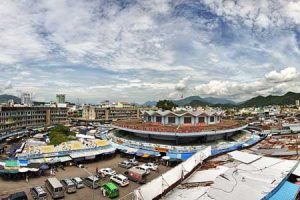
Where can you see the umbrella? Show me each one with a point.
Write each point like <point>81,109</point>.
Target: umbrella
<point>166,158</point>
<point>24,169</point>
<point>33,169</point>
<point>44,167</point>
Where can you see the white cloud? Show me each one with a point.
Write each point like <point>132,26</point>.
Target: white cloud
<point>285,75</point>
<point>273,83</point>
<point>148,49</point>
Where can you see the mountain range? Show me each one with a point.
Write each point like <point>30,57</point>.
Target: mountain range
<point>288,98</point>
<point>6,97</point>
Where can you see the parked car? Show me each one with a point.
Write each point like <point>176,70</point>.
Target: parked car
<point>92,182</point>
<point>143,168</point>
<point>120,179</point>
<point>133,162</point>
<point>107,171</point>
<point>136,175</point>
<point>38,193</point>
<point>110,189</point>
<point>125,164</point>
<point>18,196</point>
<point>151,166</point>
<point>69,185</point>
<point>78,182</point>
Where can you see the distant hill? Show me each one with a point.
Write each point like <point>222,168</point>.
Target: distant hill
<point>188,100</point>
<point>214,100</point>
<point>196,100</point>
<point>288,98</point>
<point>5,97</point>
<point>150,103</point>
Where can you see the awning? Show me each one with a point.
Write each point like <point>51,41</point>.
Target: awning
<point>52,160</point>
<point>287,191</point>
<point>65,158</point>
<point>90,157</point>
<point>23,169</point>
<point>23,163</point>
<point>11,163</point>
<point>40,160</point>
<point>6,171</point>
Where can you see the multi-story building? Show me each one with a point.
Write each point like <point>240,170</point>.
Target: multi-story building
<point>21,117</point>
<point>26,99</point>
<point>109,114</point>
<point>60,98</point>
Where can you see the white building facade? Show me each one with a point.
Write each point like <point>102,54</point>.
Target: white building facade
<point>182,118</point>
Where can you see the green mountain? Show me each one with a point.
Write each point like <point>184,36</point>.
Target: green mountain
<point>288,98</point>
<point>188,100</point>
<point>5,97</point>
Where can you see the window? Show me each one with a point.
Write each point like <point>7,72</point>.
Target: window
<point>187,120</point>
<point>158,118</point>
<point>212,119</point>
<point>171,120</point>
<point>201,119</point>
<point>149,118</point>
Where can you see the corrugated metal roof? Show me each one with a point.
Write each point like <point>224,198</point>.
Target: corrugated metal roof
<point>244,157</point>
<point>287,191</point>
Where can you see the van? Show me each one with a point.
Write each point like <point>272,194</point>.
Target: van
<point>92,182</point>
<point>136,175</point>
<point>55,188</point>
<point>38,193</point>
<point>120,179</point>
<point>143,168</point>
<point>70,187</point>
<point>109,189</point>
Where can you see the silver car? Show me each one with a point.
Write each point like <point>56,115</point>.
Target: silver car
<point>38,193</point>
<point>69,186</point>
<point>78,182</point>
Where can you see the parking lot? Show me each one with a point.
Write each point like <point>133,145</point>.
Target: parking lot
<point>11,186</point>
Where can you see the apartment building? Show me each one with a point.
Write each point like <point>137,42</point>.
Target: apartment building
<point>109,114</point>
<point>12,118</point>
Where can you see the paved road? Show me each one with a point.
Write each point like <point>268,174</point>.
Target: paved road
<point>11,186</point>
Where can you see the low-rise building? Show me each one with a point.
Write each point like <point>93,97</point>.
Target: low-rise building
<point>182,117</point>
<point>109,114</point>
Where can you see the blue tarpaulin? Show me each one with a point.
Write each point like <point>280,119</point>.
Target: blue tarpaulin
<point>287,191</point>
<point>23,163</point>
<point>141,152</point>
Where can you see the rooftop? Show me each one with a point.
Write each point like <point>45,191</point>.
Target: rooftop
<point>157,127</point>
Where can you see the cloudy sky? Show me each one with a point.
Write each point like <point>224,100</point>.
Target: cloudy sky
<point>149,49</point>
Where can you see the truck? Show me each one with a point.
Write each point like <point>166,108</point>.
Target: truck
<point>136,175</point>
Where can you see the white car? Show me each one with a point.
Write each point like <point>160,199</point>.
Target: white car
<point>107,171</point>
<point>78,182</point>
<point>145,169</point>
<point>120,179</point>
<point>151,166</point>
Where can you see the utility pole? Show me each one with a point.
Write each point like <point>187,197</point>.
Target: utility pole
<point>89,173</point>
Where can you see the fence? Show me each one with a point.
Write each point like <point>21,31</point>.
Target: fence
<point>166,181</point>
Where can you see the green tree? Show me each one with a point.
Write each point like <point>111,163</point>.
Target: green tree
<point>60,134</point>
<point>166,104</point>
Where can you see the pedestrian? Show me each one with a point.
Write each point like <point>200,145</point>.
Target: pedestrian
<point>103,192</point>
<point>27,178</point>
<point>97,170</point>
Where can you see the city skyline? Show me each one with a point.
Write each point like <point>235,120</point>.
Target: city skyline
<point>148,50</point>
